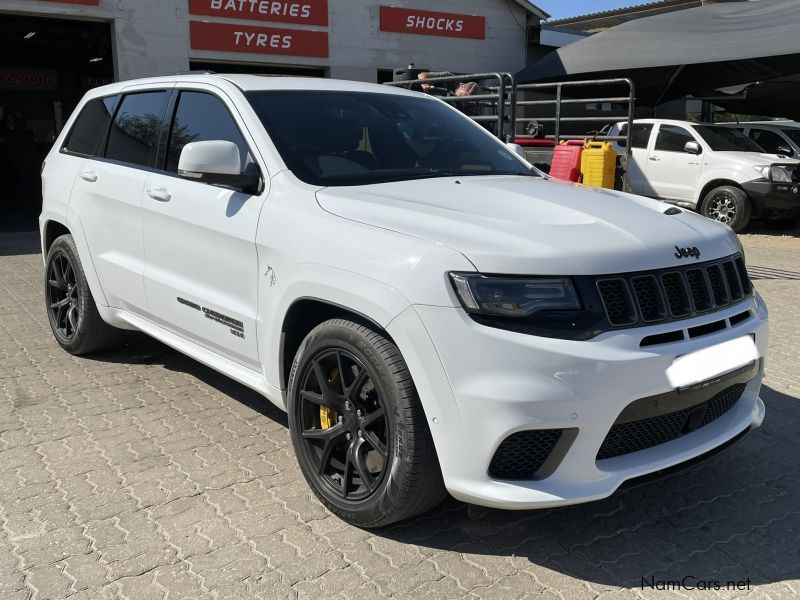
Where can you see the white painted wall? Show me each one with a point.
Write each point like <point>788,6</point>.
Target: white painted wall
<point>151,37</point>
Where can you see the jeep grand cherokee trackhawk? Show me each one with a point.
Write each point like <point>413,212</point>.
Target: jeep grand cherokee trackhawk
<point>434,314</point>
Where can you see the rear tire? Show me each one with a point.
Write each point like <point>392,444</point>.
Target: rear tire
<point>729,205</point>
<point>358,428</point>
<point>71,311</point>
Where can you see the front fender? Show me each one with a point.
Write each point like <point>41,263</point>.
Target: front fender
<point>377,301</point>
<point>736,175</point>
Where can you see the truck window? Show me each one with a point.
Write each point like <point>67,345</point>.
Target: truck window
<point>90,127</point>
<point>768,140</point>
<point>200,116</point>
<point>640,135</point>
<point>134,132</point>
<point>726,139</point>
<point>672,138</point>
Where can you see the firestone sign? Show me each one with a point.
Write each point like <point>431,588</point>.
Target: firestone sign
<point>225,37</point>
<point>426,22</point>
<point>307,12</point>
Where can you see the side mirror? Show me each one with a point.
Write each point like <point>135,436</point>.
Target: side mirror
<point>692,148</point>
<point>216,162</point>
<point>519,151</point>
<point>785,150</point>
<point>516,149</point>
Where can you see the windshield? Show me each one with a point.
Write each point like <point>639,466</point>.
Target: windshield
<point>793,134</point>
<point>345,138</point>
<point>723,139</point>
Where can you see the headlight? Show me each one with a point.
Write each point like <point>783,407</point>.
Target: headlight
<point>763,170</point>
<point>514,297</point>
<point>781,173</point>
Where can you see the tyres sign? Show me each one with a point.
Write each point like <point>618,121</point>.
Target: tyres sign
<point>226,37</point>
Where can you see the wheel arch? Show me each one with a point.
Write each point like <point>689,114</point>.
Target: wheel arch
<point>50,232</point>
<point>303,315</point>
<point>715,183</point>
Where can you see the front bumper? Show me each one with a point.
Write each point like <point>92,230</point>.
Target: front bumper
<point>479,385</point>
<point>769,196</point>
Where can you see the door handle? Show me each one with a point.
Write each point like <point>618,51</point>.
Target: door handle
<point>89,176</point>
<point>159,193</point>
<point>654,158</point>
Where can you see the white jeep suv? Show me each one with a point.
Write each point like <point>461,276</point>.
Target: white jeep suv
<point>713,169</point>
<point>434,315</point>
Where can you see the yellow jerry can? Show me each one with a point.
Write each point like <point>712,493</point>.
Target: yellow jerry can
<point>599,164</point>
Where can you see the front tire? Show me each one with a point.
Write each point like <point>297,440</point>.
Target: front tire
<point>358,428</point>
<point>729,205</point>
<point>71,311</point>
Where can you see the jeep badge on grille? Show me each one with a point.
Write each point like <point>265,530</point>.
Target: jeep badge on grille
<point>686,252</point>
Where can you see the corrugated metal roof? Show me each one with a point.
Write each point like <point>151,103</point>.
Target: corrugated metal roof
<point>610,18</point>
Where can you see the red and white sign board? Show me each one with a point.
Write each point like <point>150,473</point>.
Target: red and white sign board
<point>85,2</point>
<point>306,12</point>
<point>225,37</point>
<point>427,22</point>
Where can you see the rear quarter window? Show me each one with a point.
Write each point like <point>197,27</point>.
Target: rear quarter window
<point>90,127</point>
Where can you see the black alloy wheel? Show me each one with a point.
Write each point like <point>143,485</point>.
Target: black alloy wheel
<point>63,297</point>
<point>343,424</point>
<point>71,310</point>
<point>358,428</point>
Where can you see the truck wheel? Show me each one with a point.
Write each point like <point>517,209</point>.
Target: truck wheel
<point>729,205</point>
<point>358,428</point>
<point>73,316</point>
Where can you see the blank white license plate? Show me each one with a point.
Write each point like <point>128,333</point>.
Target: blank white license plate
<point>710,362</point>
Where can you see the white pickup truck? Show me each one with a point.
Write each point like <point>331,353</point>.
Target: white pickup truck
<point>714,170</point>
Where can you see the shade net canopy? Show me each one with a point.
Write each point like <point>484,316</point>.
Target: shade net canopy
<point>675,54</point>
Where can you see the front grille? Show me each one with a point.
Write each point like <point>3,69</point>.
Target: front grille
<point>632,436</point>
<point>670,294</point>
<point>521,455</point>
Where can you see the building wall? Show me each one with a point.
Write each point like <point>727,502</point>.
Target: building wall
<point>152,37</point>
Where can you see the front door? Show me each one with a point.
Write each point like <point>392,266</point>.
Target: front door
<point>201,275</point>
<point>672,173</point>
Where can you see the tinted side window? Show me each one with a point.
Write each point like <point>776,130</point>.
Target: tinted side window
<point>672,139</point>
<point>200,117</point>
<point>768,140</point>
<point>134,132</point>
<point>640,135</point>
<point>90,126</point>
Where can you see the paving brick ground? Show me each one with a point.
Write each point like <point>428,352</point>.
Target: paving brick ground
<point>141,474</point>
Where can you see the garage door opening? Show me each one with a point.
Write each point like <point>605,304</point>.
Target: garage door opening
<point>257,69</point>
<point>46,65</point>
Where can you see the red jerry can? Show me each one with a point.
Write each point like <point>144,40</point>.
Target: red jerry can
<point>567,160</point>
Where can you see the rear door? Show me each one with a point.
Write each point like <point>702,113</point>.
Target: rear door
<point>107,195</point>
<point>640,140</point>
<point>672,173</point>
<point>201,276</point>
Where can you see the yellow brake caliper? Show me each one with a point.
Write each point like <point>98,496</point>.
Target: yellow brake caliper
<point>328,416</point>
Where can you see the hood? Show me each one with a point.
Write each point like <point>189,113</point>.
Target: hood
<point>756,158</point>
<point>528,225</point>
